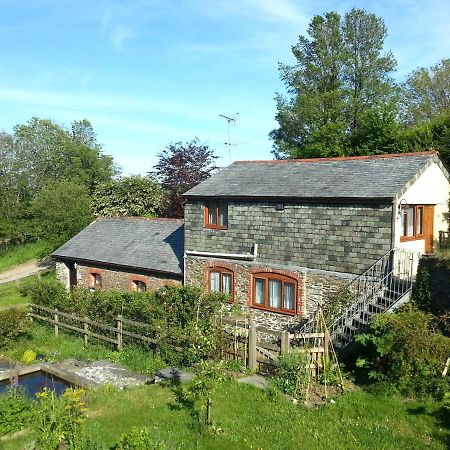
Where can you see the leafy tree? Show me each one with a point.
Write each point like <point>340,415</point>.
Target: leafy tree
<point>41,152</point>
<point>181,166</point>
<point>341,77</point>
<point>46,151</point>
<point>426,93</point>
<point>128,196</point>
<point>61,210</point>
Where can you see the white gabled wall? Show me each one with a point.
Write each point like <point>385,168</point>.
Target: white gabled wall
<point>431,188</point>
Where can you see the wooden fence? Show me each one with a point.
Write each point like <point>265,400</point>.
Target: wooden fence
<point>259,348</point>
<point>254,347</point>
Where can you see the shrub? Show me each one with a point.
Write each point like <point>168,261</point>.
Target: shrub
<point>13,324</point>
<point>183,317</point>
<point>404,349</point>
<point>138,439</point>
<point>16,411</point>
<point>291,375</point>
<point>28,357</point>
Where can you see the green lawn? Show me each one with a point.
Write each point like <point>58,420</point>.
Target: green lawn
<point>20,254</point>
<point>245,417</point>
<point>10,294</point>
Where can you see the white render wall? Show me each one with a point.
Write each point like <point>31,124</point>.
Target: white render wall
<point>432,188</point>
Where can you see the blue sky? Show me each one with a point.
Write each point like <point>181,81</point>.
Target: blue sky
<point>150,72</point>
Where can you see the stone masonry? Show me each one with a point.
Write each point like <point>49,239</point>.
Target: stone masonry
<point>314,287</point>
<point>115,278</point>
<point>331,237</point>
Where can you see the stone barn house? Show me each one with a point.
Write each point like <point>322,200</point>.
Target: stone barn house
<point>280,237</point>
<point>123,253</point>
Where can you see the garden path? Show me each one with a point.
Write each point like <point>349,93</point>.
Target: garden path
<point>24,270</point>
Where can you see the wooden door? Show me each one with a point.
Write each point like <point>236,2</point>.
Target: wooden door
<point>428,220</point>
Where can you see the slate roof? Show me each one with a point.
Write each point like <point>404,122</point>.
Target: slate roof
<point>366,177</point>
<point>148,244</point>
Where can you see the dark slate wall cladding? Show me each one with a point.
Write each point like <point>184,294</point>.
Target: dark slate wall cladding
<point>341,238</point>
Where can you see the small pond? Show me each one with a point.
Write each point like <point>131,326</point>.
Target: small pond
<point>35,382</point>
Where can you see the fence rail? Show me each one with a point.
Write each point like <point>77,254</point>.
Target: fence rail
<point>254,347</point>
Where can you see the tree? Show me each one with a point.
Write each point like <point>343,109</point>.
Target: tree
<point>181,166</point>
<point>36,154</point>
<point>340,78</point>
<point>60,210</point>
<point>128,196</point>
<point>426,93</point>
<point>46,151</point>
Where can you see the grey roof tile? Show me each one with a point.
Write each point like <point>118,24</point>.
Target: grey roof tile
<point>375,177</point>
<point>149,244</point>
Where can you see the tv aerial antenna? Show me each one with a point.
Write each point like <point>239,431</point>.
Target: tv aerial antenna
<point>231,120</point>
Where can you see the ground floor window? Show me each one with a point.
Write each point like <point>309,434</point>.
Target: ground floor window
<point>274,292</point>
<point>221,280</point>
<point>139,286</point>
<point>95,280</point>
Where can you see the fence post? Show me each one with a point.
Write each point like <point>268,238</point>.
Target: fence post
<point>284,341</point>
<point>326,344</point>
<point>252,364</point>
<point>56,322</point>
<point>86,331</point>
<point>119,332</point>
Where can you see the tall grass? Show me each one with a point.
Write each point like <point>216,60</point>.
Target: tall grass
<point>21,253</point>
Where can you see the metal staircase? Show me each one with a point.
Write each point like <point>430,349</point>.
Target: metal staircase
<point>383,287</point>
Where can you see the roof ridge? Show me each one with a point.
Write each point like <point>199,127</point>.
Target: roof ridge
<point>154,219</point>
<point>338,158</point>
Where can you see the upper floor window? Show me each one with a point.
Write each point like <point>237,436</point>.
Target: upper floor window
<point>96,280</point>
<point>221,280</point>
<point>412,222</point>
<point>274,292</point>
<point>140,286</point>
<point>216,214</point>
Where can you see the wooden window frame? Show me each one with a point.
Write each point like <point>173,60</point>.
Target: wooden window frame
<point>404,211</point>
<point>266,276</point>
<point>221,270</point>
<point>215,225</point>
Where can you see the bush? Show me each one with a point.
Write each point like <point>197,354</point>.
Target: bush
<point>13,324</point>
<point>183,317</point>
<point>291,375</point>
<point>405,349</point>
<point>138,439</point>
<point>16,411</point>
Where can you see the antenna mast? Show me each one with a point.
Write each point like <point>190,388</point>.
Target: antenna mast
<point>230,120</point>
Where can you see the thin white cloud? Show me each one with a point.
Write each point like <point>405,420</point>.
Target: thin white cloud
<point>120,34</point>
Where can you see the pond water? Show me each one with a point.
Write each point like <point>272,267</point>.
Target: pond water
<point>35,382</point>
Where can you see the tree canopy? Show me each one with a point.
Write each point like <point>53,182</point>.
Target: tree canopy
<point>341,80</point>
<point>181,166</point>
<point>128,196</point>
<point>40,154</point>
<point>426,93</point>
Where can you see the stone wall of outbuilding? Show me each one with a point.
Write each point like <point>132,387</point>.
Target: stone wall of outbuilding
<point>114,278</point>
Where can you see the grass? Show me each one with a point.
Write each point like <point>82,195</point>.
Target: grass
<point>16,255</point>
<point>245,417</point>
<point>10,293</point>
<point>248,418</point>
<point>57,348</point>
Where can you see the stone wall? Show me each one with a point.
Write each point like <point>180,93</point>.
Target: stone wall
<point>337,238</point>
<point>115,278</point>
<point>313,287</point>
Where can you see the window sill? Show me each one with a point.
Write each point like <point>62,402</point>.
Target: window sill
<point>215,227</point>
<point>419,237</point>
<point>285,312</point>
